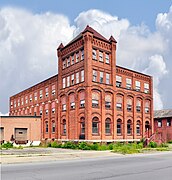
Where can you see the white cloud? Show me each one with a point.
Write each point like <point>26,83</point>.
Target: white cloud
<point>28,45</point>
<point>6,114</point>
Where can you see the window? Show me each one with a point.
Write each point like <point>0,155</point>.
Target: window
<point>77,57</point>
<point>94,54</point>
<point>18,102</point>
<point>31,98</point>
<point>40,113</point>
<point>72,62</point>
<point>168,122</point>
<point>82,125</point>
<point>107,101</point>
<point>129,127</point>
<point>53,110</point>
<point>22,102</point>
<point>119,103</point>
<point>40,94</point>
<point>95,103</point>
<point>82,76</point>
<point>53,90</point>
<point>72,105</point>
<point>146,88</point>
<point>68,81</point>
<point>46,111</point>
<point>94,75</point>
<point>82,55</point>
<point>53,127</point>
<point>68,62</point>
<point>64,127</point>
<point>138,128</point>
<point>129,105</point>
<point>82,103</point>
<point>137,83</point>
<point>64,82</point>
<point>64,64</point>
<point>46,92</point>
<point>26,101</point>
<point>46,127</point>
<point>95,125</point>
<point>119,131</point>
<point>72,79</point>
<point>100,56</point>
<point>63,107</point>
<point>107,78</point>
<point>108,126</point>
<point>77,77</point>
<point>159,123</point>
<point>118,81</point>
<point>15,103</point>
<point>138,105</point>
<point>107,58</point>
<point>35,96</point>
<point>128,83</point>
<point>147,107</point>
<point>101,77</point>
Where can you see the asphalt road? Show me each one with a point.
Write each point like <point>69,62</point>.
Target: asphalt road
<point>139,167</point>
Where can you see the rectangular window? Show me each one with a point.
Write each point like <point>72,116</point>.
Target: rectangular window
<point>82,76</point>
<point>128,83</point>
<point>64,64</point>
<point>95,103</point>
<point>101,77</point>
<point>138,108</point>
<point>107,104</point>
<point>40,94</point>
<point>72,79</point>
<point>82,55</point>
<point>68,81</point>
<point>168,122</point>
<point>82,103</point>
<point>22,102</point>
<point>146,109</point>
<point>77,77</point>
<point>72,105</point>
<point>118,81</point>
<point>94,75</point>
<point>68,62</point>
<point>72,62</point>
<point>46,92</point>
<point>30,98</point>
<point>107,78</point>
<point>100,56</point>
<point>159,123</point>
<point>146,88</point>
<point>63,107</point>
<point>94,54</point>
<point>107,128</point>
<point>53,110</point>
<point>129,107</point>
<point>77,57</point>
<point>64,82</point>
<point>118,106</point>
<point>35,96</point>
<point>95,127</point>
<point>26,100</point>
<point>40,112</point>
<point>137,83</point>
<point>53,92</point>
<point>107,58</point>
<point>46,111</point>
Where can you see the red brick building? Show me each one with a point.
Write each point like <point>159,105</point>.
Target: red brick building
<point>163,124</point>
<point>91,98</point>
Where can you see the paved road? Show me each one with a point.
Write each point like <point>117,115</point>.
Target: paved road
<point>139,167</point>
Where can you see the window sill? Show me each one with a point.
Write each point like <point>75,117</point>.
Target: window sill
<point>95,134</point>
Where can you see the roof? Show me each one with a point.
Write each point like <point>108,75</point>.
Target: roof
<point>95,34</point>
<point>163,113</point>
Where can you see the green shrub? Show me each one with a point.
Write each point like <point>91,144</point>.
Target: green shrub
<point>170,141</point>
<point>153,144</point>
<point>163,145</point>
<point>110,147</point>
<point>69,145</point>
<point>103,147</point>
<point>94,146</point>
<point>7,145</point>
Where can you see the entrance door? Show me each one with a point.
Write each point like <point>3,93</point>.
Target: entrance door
<point>1,135</point>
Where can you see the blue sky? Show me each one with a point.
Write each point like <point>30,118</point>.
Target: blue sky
<point>31,30</point>
<point>136,11</point>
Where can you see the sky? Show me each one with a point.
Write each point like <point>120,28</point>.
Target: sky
<point>30,32</point>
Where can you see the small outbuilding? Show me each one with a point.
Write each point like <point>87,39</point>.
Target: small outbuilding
<point>20,130</point>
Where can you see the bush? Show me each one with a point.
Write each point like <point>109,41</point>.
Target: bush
<point>163,145</point>
<point>170,141</point>
<point>153,144</point>
<point>110,147</point>
<point>7,145</point>
<point>69,145</point>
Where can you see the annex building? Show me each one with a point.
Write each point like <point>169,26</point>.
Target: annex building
<point>91,98</point>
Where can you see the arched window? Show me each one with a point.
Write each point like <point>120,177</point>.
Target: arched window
<point>108,126</point>
<point>129,104</point>
<point>129,127</point>
<point>108,100</point>
<point>95,125</point>
<point>138,128</point>
<point>82,121</point>
<point>138,105</point>
<point>147,106</point>
<point>147,125</point>
<point>119,103</point>
<point>53,127</point>
<point>64,127</point>
<point>95,100</point>
<point>46,126</point>
<point>119,127</point>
